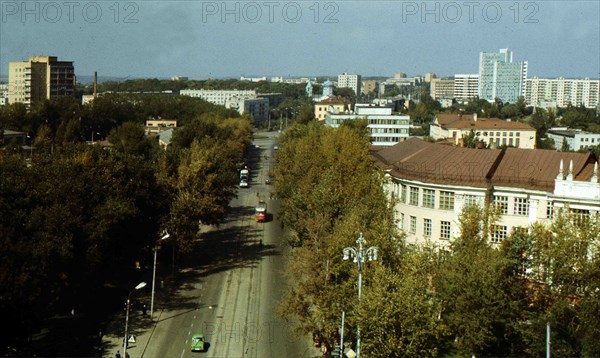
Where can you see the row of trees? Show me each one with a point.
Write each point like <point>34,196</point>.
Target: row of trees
<point>74,217</point>
<point>420,301</point>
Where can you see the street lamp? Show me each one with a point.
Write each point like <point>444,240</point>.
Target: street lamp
<point>358,256</point>
<point>166,236</point>
<point>140,285</point>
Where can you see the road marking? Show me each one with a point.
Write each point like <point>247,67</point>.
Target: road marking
<point>182,352</point>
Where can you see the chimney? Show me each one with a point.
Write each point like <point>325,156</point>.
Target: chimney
<point>95,84</point>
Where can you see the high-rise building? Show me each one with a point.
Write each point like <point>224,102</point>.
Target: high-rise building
<point>560,92</point>
<point>42,77</point>
<point>442,88</point>
<point>349,81</point>
<point>466,86</point>
<point>500,77</point>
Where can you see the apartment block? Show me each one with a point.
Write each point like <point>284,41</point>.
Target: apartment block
<point>346,80</point>
<point>40,78</point>
<point>500,77</point>
<point>560,92</point>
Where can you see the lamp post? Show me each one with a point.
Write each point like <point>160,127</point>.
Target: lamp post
<point>358,255</point>
<point>140,285</point>
<point>166,236</point>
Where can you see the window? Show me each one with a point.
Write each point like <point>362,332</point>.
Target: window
<point>403,193</point>
<point>413,225</point>
<point>427,227</point>
<point>498,233</point>
<point>521,206</point>
<point>428,198</point>
<point>446,200</point>
<point>402,221</point>
<point>501,203</point>
<point>445,230</point>
<point>414,196</point>
<point>471,200</point>
<point>549,210</point>
<point>579,216</point>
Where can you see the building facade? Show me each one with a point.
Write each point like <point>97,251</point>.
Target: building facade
<point>491,131</point>
<point>3,94</point>
<point>386,128</point>
<point>500,77</point>
<point>431,184</point>
<point>40,78</point>
<point>219,97</point>
<point>561,92</point>
<point>353,82</point>
<point>369,86</point>
<point>332,104</point>
<point>466,86</point>
<point>575,139</point>
<point>442,88</point>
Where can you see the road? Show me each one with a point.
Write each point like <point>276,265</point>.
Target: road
<point>231,287</point>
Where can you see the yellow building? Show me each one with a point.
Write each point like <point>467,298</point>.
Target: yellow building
<point>42,77</point>
<point>333,105</point>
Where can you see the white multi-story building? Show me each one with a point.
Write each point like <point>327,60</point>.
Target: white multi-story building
<point>349,81</point>
<point>442,88</point>
<point>491,131</point>
<point>500,78</point>
<point>431,183</point>
<point>560,92</point>
<point>219,97</point>
<point>386,128</point>
<point>576,139</point>
<point>253,79</point>
<point>466,86</point>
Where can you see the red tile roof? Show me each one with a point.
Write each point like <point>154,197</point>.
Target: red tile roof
<point>466,121</point>
<point>535,169</point>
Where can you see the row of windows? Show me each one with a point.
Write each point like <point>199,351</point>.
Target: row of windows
<point>389,121</point>
<point>520,205</point>
<point>445,227</point>
<point>389,130</point>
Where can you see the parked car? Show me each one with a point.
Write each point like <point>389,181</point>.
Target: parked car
<point>244,183</point>
<point>267,180</point>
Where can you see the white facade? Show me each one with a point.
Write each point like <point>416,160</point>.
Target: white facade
<point>430,194</point>
<point>466,86</point>
<point>489,130</point>
<point>385,127</point>
<point>576,139</point>
<point>562,92</point>
<point>219,97</point>
<point>349,81</point>
<point>3,94</point>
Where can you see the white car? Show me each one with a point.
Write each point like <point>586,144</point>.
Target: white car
<point>243,183</point>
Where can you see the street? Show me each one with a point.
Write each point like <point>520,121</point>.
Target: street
<point>230,286</point>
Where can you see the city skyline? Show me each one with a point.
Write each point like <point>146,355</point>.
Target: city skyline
<point>199,40</point>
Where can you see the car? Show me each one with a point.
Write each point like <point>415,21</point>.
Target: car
<point>276,147</point>
<point>198,342</point>
<point>267,180</point>
<point>243,183</point>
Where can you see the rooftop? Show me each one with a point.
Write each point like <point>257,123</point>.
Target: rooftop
<point>465,121</point>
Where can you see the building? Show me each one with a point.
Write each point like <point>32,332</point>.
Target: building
<point>179,78</point>
<point>40,78</point>
<point>274,98</point>
<point>257,107</point>
<point>561,92</point>
<point>442,88</point>
<point>3,94</point>
<point>386,128</point>
<point>428,77</point>
<point>575,139</point>
<point>159,125</point>
<point>219,97</point>
<point>331,104</point>
<point>164,138</point>
<point>431,183</point>
<point>350,81</point>
<point>399,80</point>
<point>466,87</point>
<point>327,89</point>
<point>301,80</point>
<point>500,77</point>
<point>491,131</point>
<point>253,79</point>
<point>369,86</point>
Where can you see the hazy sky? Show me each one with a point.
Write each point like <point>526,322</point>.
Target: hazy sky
<point>202,39</point>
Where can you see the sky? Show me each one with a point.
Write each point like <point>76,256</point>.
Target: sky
<point>229,39</point>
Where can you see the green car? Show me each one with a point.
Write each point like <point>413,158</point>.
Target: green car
<point>198,342</point>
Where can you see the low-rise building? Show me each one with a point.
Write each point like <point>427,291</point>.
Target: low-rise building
<point>159,125</point>
<point>491,131</point>
<point>575,139</point>
<point>431,183</point>
<point>386,128</point>
<point>332,104</point>
<point>219,97</point>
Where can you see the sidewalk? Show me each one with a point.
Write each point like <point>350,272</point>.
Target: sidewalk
<point>140,326</point>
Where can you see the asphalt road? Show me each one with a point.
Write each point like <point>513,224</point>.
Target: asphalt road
<point>231,286</point>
